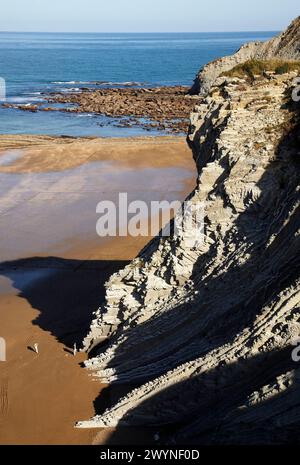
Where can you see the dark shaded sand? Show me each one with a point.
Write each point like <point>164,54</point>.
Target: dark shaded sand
<point>53,268</point>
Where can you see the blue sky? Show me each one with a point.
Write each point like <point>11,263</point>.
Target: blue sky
<point>146,15</point>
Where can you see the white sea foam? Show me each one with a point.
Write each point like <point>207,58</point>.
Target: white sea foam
<point>70,82</point>
<point>25,100</point>
<point>103,83</point>
<point>123,83</point>
<point>70,89</point>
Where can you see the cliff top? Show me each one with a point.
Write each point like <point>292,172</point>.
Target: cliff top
<point>285,46</point>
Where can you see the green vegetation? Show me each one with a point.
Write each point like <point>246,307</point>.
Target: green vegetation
<point>253,68</point>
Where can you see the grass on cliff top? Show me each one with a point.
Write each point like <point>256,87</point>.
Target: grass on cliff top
<point>253,68</point>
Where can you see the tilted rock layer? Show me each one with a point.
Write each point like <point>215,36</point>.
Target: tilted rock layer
<point>285,46</point>
<point>205,334</point>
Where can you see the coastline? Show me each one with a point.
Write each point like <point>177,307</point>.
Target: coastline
<point>50,284</point>
<point>163,109</point>
<point>119,149</point>
<point>150,340</point>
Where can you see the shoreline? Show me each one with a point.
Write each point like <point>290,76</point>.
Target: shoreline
<point>162,109</point>
<point>8,141</point>
<point>53,270</point>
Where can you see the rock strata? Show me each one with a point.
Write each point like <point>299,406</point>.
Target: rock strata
<point>285,46</point>
<point>205,334</point>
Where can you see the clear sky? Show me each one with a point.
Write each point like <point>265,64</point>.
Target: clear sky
<point>146,15</point>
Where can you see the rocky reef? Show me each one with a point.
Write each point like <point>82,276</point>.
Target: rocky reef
<point>204,335</point>
<point>285,46</point>
<point>159,108</point>
<point>165,108</point>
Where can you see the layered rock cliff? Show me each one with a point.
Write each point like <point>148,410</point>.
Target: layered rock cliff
<point>285,46</point>
<point>205,334</point>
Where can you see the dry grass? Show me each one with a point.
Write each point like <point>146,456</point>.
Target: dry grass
<point>253,68</point>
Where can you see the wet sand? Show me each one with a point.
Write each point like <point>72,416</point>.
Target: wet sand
<point>54,266</point>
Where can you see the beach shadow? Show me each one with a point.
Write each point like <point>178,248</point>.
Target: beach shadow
<point>64,291</point>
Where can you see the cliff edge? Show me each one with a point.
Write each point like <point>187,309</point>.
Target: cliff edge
<point>286,46</point>
<point>203,338</point>
<point>205,335</point>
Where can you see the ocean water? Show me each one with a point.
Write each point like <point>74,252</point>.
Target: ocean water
<point>37,63</point>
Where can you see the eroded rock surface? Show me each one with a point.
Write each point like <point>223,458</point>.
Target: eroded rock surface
<point>205,334</point>
<point>164,108</point>
<point>285,46</point>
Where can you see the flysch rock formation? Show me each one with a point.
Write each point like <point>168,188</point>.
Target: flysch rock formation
<point>205,334</point>
<point>285,46</point>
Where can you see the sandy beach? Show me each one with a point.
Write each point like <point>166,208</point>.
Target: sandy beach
<point>54,266</point>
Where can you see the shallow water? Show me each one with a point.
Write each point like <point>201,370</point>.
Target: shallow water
<point>34,63</point>
<point>8,157</point>
<point>44,213</point>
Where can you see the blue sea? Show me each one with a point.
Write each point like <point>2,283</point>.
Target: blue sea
<point>37,63</point>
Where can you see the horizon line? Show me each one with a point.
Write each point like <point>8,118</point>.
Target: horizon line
<point>139,32</point>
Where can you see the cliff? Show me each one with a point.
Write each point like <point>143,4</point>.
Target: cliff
<point>206,334</point>
<point>286,46</point>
